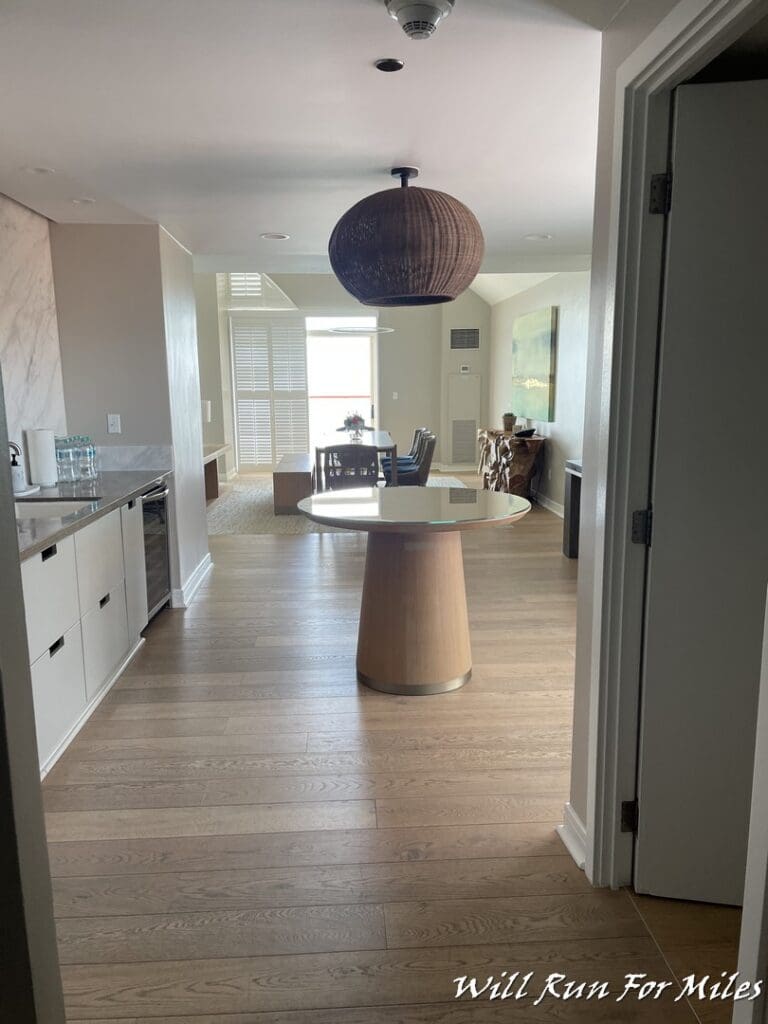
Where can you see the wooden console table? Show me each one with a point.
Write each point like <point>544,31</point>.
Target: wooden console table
<point>211,455</point>
<point>509,463</point>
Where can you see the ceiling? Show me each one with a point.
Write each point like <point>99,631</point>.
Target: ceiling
<point>223,119</point>
<point>498,287</point>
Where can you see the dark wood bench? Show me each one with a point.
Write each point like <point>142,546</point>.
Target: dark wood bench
<point>291,481</point>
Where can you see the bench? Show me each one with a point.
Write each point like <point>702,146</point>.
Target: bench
<point>291,481</point>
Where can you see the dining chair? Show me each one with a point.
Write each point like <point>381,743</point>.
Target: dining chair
<point>350,465</point>
<point>418,474</point>
<point>408,461</point>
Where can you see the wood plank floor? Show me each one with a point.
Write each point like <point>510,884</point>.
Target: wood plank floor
<point>243,835</point>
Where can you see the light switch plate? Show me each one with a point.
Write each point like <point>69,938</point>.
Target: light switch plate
<point>394,396</point>
<point>114,426</point>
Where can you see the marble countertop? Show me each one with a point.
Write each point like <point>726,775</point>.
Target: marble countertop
<point>108,491</point>
<point>213,451</point>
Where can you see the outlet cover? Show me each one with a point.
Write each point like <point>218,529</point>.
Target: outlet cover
<point>114,426</point>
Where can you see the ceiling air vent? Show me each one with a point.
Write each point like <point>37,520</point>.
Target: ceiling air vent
<point>465,337</point>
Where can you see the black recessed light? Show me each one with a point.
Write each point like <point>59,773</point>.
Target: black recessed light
<point>390,64</point>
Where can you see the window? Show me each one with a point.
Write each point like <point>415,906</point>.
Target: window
<point>269,366</point>
<point>340,373</point>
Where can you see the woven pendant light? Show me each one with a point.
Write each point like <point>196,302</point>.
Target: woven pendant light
<point>406,246</point>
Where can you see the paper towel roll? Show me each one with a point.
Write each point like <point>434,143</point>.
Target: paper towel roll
<point>41,453</point>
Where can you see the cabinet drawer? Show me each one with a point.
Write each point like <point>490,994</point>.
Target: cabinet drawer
<point>99,551</point>
<point>58,691</point>
<point>51,607</point>
<point>132,520</point>
<point>105,638</point>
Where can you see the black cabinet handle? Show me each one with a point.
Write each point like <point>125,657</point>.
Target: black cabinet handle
<point>56,647</point>
<point>104,600</point>
<point>131,503</point>
<point>49,552</point>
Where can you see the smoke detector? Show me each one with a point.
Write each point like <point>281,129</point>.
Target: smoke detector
<point>419,20</point>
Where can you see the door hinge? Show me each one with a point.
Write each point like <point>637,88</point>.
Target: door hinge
<point>642,526</point>
<point>629,815</point>
<point>661,193</point>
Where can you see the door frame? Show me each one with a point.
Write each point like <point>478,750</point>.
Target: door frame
<point>685,41</point>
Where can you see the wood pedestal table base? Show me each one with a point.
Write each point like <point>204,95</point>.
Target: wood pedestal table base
<point>414,631</point>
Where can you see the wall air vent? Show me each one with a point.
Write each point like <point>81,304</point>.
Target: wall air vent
<point>463,441</point>
<point>465,337</point>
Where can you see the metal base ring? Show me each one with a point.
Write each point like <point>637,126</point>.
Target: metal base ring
<point>415,689</point>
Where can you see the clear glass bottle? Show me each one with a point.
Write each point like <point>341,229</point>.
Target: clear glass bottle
<point>85,458</point>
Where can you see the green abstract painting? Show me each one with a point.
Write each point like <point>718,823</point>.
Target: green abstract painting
<point>534,342</point>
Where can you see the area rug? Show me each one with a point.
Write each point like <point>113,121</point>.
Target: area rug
<point>245,506</point>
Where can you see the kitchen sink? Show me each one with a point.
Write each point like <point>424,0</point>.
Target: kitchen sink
<point>37,509</point>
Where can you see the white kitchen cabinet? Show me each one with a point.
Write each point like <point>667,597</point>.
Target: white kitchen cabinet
<point>99,553</point>
<point>132,520</point>
<point>105,638</point>
<point>58,691</point>
<point>49,579</point>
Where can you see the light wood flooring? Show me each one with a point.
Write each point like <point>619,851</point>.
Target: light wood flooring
<point>243,835</point>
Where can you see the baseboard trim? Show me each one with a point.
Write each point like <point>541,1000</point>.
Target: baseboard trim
<point>573,835</point>
<point>182,597</point>
<point>547,503</point>
<point>460,467</point>
<point>89,709</point>
<point>228,476</point>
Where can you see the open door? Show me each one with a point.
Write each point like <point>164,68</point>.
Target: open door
<point>708,556</point>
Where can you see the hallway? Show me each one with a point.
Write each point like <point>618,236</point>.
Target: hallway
<point>243,835</point>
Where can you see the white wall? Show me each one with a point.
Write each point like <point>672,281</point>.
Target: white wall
<point>30,359</point>
<point>209,354</point>
<point>570,293</point>
<point>184,392</point>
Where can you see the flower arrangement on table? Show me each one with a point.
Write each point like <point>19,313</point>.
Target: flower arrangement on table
<point>354,423</point>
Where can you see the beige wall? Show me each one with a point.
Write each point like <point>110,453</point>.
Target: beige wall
<point>409,365</point>
<point>469,310</point>
<point>184,392</point>
<point>30,359</point>
<point>570,293</point>
<point>110,307</point>
<point>320,293</point>
<point>625,34</point>
<point>128,332</point>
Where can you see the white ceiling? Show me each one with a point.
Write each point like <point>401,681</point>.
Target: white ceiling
<point>498,287</point>
<point>222,119</point>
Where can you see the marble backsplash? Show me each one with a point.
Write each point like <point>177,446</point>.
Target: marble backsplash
<point>30,359</point>
<point>135,456</point>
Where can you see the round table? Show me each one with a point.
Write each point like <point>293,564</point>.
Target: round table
<point>414,631</point>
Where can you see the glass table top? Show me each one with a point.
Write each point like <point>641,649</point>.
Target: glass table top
<point>413,508</point>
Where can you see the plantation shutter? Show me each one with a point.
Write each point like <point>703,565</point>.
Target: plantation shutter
<point>269,358</point>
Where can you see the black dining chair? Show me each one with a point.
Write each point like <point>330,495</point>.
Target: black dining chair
<point>418,474</point>
<point>350,465</point>
<point>408,461</point>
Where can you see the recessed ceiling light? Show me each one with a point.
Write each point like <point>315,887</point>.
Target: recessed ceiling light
<point>83,201</point>
<point>274,236</point>
<point>389,64</point>
<point>39,170</point>
<point>538,238</point>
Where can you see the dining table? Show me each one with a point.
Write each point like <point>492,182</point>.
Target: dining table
<point>413,635</point>
<point>381,440</point>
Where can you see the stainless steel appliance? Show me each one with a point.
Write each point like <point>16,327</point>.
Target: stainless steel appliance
<point>155,507</point>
